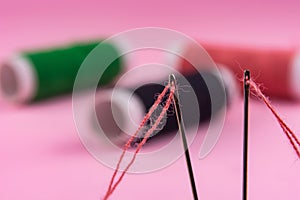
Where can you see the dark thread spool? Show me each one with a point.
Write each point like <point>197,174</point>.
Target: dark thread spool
<point>196,104</point>
<point>199,89</point>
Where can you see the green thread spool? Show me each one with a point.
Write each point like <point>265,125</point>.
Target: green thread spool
<point>36,75</point>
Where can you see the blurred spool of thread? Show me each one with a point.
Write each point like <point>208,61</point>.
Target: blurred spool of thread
<point>278,70</point>
<point>36,75</point>
<point>119,126</point>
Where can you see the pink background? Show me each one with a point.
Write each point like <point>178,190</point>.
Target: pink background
<point>41,154</point>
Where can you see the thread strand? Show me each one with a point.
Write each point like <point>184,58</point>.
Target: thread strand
<point>127,145</point>
<point>292,137</point>
<point>112,186</point>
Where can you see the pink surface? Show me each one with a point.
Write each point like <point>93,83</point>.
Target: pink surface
<point>41,154</point>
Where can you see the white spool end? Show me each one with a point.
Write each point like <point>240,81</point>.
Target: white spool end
<point>119,113</point>
<point>230,83</point>
<point>295,76</point>
<point>17,80</point>
<point>172,59</point>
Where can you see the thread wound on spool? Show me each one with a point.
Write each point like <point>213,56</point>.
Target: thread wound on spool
<point>199,103</point>
<point>196,101</point>
<point>267,66</point>
<point>51,72</point>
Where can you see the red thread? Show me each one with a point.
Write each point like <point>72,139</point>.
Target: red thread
<point>127,145</point>
<point>267,65</point>
<point>112,186</point>
<point>292,137</point>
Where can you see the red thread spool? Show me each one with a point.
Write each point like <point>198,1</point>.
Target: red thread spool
<point>278,70</point>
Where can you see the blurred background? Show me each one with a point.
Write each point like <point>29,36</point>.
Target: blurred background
<point>41,154</point>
